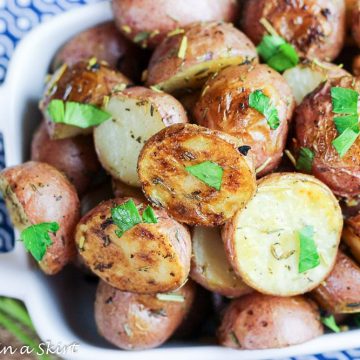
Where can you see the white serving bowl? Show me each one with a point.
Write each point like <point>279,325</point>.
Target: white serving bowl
<point>62,306</point>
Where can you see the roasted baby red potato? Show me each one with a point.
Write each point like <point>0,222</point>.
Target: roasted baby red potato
<point>210,267</point>
<point>121,189</point>
<point>316,131</point>
<point>105,43</point>
<point>355,22</point>
<point>351,236</point>
<point>229,103</point>
<point>85,83</point>
<point>197,175</point>
<point>186,59</point>
<point>291,218</point>
<point>75,156</point>
<point>257,321</point>
<point>316,28</point>
<point>340,292</point>
<point>37,193</point>
<point>137,114</point>
<point>140,321</point>
<point>149,257</point>
<point>147,22</point>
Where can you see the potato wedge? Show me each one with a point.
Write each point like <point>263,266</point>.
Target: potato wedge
<point>210,267</point>
<point>187,59</point>
<point>147,258</point>
<point>82,82</point>
<point>140,321</point>
<point>258,321</point>
<point>138,113</point>
<point>306,77</point>
<point>262,240</point>
<point>167,183</point>
<point>351,236</point>
<point>35,193</point>
<point>340,292</point>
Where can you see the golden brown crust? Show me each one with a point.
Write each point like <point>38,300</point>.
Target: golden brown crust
<point>340,292</point>
<point>315,27</point>
<point>148,22</point>
<point>75,157</point>
<point>315,129</point>
<point>40,193</point>
<point>259,321</point>
<point>166,183</point>
<point>137,321</point>
<point>148,258</point>
<point>224,106</point>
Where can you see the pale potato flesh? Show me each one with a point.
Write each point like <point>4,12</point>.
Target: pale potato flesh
<point>263,239</point>
<point>210,267</point>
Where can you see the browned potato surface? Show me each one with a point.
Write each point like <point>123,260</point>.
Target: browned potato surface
<point>210,267</point>
<point>75,157</point>
<point>185,60</point>
<point>351,236</point>
<point>340,292</point>
<point>355,24</point>
<point>81,83</point>
<point>147,258</point>
<point>35,193</point>
<point>224,105</point>
<point>147,22</point>
<point>167,184</point>
<point>315,129</point>
<point>120,189</point>
<point>105,43</point>
<point>258,321</point>
<point>140,321</point>
<point>315,27</point>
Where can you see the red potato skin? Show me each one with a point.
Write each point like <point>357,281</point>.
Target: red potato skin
<point>161,16</point>
<point>355,22</point>
<point>315,129</point>
<point>75,157</point>
<point>46,195</point>
<point>149,322</point>
<point>226,96</point>
<point>105,43</point>
<point>315,27</point>
<point>258,321</point>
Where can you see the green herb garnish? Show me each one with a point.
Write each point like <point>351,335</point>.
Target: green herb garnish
<point>309,257</point>
<point>277,53</point>
<point>208,172</point>
<point>262,103</point>
<point>76,114</point>
<point>170,297</point>
<point>344,101</point>
<point>126,216</point>
<point>141,36</point>
<point>344,142</point>
<point>36,238</point>
<point>305,160</point>
<point>330,322</point>
<point>347,122</point>
<point>183,47</point>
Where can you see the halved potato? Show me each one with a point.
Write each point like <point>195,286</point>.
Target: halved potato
<point>306,77</point>
<point>259,321</point>
<point>138,113</point>
<point>140,321</point>
<point>187,59</point>
<point>35,193</point>
<point>351,236</point>
<point>340,292</point>
<point>147,258</point>
<point>167,183</point>
<point>262,240</point>
<point>210,267</point>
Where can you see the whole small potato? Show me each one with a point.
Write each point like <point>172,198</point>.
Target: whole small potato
<point>224,105</point>
<point>147,22</point>
<point>105,43</point>
<point>316,28</point>
<point>351,236</point>
<point>315,129</point>
<point>258,321</point>
<point>356,65</point>
<point>140,321</point>
<point>187,59</point>
<point>355,24</point>
<point>82,82</point>
<point>35,193</point>
<point>121,189</point>
<point>147,258</point>
<point>75,157</point>
<point>340,292</point>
